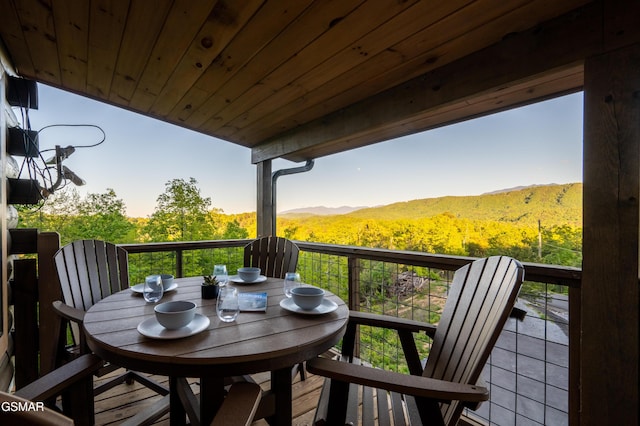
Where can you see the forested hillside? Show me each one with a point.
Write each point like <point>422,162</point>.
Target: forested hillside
<point>536,224</point>
<point>551,204</point>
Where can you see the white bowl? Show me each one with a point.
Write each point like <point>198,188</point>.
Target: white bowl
<point>167,280</point>
<point>249,274</point>
<point>174,315</point>
<point>307,297</point>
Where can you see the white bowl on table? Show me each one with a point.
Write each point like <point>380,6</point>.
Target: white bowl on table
<point>167,280</point>
<point>307,297</point>
<point>176,314</point>
<point>249,274</point>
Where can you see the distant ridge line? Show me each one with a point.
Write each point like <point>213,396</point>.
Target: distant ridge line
<point>322,210</point>
<point>519,188</point>
<point>551,204</point>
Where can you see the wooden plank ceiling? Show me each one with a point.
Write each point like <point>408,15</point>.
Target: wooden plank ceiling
<point>295,79</point>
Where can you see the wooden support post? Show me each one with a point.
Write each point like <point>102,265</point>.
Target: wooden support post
<point>265,203</point>
<point>25,291</point>
<point>609,312</point>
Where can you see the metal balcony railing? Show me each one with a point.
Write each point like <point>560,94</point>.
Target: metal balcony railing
<point>528,372</point>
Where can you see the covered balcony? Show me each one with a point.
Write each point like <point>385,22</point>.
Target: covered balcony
<point>528,372</point>
<point>302,80</point>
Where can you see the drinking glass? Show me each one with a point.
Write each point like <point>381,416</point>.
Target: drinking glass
<point>227,306</point>
<point>153,289</point>
<point>220,271</point>
<point>291,280</point>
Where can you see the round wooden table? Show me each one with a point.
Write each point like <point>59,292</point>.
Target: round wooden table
<point>275,341</point>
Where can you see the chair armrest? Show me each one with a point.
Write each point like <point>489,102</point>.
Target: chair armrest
<point>53,383</point>
<point>387,321</point>
<point>67,312</point>
<point>419,386</point>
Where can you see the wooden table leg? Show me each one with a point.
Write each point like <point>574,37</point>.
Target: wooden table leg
<point>189,401</point>
<point>211,397</point>
<point>177,415</point>
<point>281,387</point>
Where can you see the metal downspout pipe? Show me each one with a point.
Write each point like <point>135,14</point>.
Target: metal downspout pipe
<point>274,177</point>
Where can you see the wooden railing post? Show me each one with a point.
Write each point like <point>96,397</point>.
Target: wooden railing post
<point>574,355</point>
<point>25,300</point>
<point>354,283</point>
<point>24,288</point>
<point>49,291</point>
<point>179,270</point>
<point>354,294</point>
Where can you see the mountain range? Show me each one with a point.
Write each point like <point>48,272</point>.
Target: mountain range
<point>320,211</point>
<point>555,204</point>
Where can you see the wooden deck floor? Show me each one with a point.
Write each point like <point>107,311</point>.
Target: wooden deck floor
<point>123,401</point>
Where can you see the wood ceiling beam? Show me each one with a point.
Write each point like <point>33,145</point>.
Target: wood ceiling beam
<point>520,69</point>
<point>566,81</point>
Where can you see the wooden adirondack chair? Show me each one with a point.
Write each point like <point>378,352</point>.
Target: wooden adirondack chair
<point>74,378</point>
<point>238,408</point>
<point>480,301</point>
<point>274,255</point>
<point>88,271</point>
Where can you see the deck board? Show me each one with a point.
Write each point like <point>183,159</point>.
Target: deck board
<point>123,401</point>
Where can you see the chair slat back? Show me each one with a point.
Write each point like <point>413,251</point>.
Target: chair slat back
<point>90,270</point>
<point>480,300</point>
<point>275,256</point>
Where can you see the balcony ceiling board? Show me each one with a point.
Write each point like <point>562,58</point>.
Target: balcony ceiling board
<point>261,74</point>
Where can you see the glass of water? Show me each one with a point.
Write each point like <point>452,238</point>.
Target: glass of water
<point>291,280</point>
<point>153,289</point>
<point>220,271</point>
<point>227,306</point>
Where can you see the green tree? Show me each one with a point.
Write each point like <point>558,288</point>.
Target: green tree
<point>562,245</point>
<point>233,231</point>
<point>103,217</point>
<point>99,216</point>
<point>181,214</point>
<point>54,214</point>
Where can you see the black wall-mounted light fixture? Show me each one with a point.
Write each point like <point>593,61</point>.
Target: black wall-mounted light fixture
<point>43,179</point>
<point>23,191</point>
<point>22,142</point>
<point>22,92</point>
